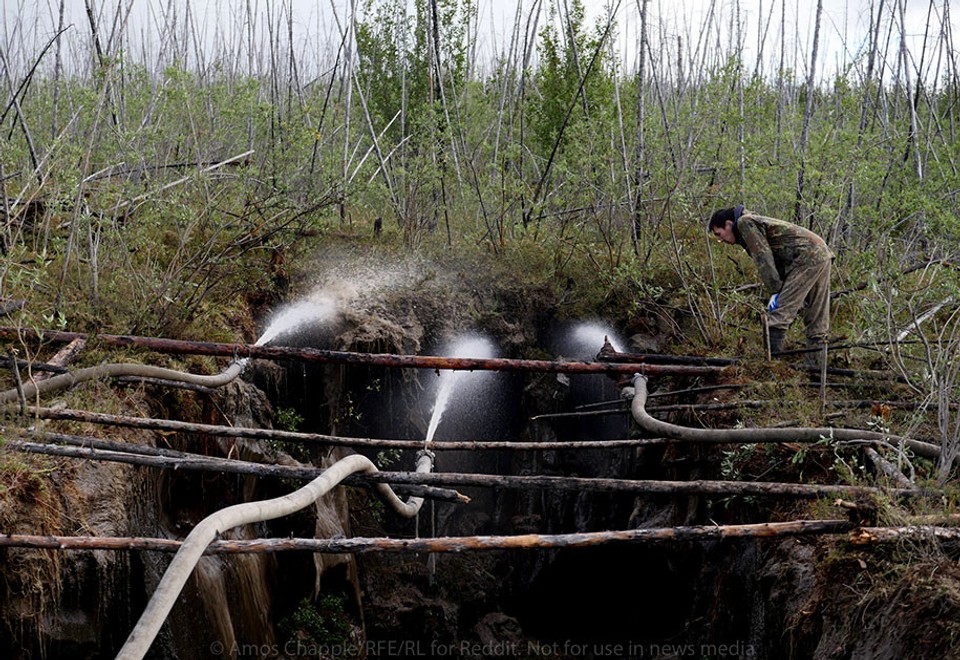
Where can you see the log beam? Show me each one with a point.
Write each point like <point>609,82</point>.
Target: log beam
<point>443,480</point>
<point>320,356</point>
<point>440,544</point>
<point>320,439</point>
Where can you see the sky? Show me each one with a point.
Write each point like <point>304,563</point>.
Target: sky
<point>316,25</point>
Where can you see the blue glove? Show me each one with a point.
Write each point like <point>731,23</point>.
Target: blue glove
<point>774,302</point>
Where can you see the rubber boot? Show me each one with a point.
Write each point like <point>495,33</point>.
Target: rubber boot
<point>814,358</point>
<point>777,335</point>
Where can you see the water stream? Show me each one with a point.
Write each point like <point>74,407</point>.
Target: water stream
<point>298,315</point>
<point>470,346</point>
<point>586,339</point>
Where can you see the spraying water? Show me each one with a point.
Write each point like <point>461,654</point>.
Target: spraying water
<point>297,315</point>
<point>465,347</point>
<point>587,339</point>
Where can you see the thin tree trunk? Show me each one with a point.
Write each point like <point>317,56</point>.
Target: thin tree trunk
<point>850,206</point>
<point>639,173</point>
<point>572,46</point>
<point>741,149</point>
<point>799,210</point>
<point>913,143</point>
<point>57,71</point>
<point>21,120</point>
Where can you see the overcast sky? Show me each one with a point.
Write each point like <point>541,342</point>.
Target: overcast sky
<point>28,24</point>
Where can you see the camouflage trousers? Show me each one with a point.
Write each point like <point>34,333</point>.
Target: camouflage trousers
<point>806,288</point>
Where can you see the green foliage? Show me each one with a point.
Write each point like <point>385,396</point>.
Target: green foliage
<point>288,419</point>
<point>566,51</point>
<point>324,622</point>
<point>398,61</point>
<point>386,458</point>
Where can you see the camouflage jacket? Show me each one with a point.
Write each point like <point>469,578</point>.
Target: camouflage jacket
<point>778,247</point>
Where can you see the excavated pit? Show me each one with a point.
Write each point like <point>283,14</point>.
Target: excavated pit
<point>763,598</point>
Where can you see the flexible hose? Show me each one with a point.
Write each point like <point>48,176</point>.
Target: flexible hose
<point>176,575</point>
<point>207,530</point>
<point>114,370</point>
<point>807,434</point>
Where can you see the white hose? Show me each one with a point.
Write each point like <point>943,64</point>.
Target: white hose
<point>114,370</point>
<point>207,530</point>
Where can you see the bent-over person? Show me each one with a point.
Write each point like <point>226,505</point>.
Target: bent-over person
<point>794,264</point>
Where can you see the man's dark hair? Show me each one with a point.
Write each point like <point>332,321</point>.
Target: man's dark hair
<point>720,217</point>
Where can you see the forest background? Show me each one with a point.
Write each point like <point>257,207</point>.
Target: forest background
<point>160,167</point>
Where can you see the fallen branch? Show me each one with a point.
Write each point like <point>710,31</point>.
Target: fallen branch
<point>636,486</point>
<point>869,535</point>
<point>209,168</point>
<point>734,405</point>
<point>9,306</point>
<point>441,544</point>
<point>32,366</point>
<point>63,357</point>
<point>887,468</point>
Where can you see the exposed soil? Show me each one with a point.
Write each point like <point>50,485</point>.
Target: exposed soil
<point>759,598</point>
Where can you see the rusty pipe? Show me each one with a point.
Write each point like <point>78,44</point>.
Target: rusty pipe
<point>321,356</point>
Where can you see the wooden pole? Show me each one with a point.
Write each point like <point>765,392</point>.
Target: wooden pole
<point>171,460</point>
<point>440,544</point>
<point>870,535</point>
<point>317,438</point>
<point>320,356</point>
<point>581,484</point>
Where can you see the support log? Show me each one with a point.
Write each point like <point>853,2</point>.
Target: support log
<point>195,463</point>
<point>870,535</point>
<point>441,544</point>
<point>442,480</point>
<point>320,356</point>
<point>317,438</point>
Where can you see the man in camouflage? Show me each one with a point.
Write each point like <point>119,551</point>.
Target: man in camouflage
<point>794,264</point>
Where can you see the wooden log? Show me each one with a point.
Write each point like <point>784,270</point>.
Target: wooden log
<point>331,440</point>
<point>648,487</point>
<point>441,544</point>
<point>672,407</point>
<point>10,306</point>
<point>887,468</point>
<point>870,535</point>
<point>209,464</point>
<point>579,484</point>
<point>732,405</point>
<point>32,366</point>
<point>320,356</point>
<point>163,382</point>
<point>64,356</point>
<point>608,354</point>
